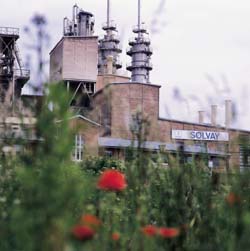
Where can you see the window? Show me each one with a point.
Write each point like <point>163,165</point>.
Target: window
<point>215,162</point>
<point>244,156</point>
<point>78,148</point>
<point>108,153</point>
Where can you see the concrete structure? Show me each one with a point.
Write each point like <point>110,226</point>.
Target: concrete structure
<point>119,106</point>
<point>73,61</point>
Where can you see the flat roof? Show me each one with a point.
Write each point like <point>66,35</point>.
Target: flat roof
<point>72,37</point>
<point>204,125</point>
<point>156,145</point>
<point>125,83</point>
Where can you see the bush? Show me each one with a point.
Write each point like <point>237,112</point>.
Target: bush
<point>49,203</point>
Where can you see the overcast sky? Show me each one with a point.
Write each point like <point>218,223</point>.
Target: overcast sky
<point>201,48</point>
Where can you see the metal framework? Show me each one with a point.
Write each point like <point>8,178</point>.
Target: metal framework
<point>12,74</point>
<point>140,52</point>
<point>109,45</point>
<point>81,25</point>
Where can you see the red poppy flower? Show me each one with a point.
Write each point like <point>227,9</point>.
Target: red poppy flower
<point>169,232</point>
<point>232,199</point>
<point>83,232</point>
<point>91,221</point>
<point>149,230</point>
<point>112,180</point>
<point>115,236</point>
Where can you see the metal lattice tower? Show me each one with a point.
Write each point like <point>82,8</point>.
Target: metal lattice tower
<point>109,46</point>
<point>81,25</point>
<point>12,74</point>
<point>140,52</point>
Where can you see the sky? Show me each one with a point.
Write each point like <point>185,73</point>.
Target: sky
<point>201,48</point>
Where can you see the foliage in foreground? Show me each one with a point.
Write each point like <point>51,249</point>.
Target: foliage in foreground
<point>49,204</point>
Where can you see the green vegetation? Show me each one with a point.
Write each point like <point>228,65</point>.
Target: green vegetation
<point>48,203</point>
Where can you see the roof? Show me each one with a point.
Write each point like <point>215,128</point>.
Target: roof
<point>124,83</point>
<point>204,125</point>
<point>83,12</point>
<point>72,37</point>
<point>156,145</point>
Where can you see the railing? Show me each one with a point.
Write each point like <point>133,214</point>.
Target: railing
<point>139,64</point>
<point>111,37</point>
<point>131,50</point>
<point>9,31</point>
<point>112,47</point>
<point>118,62</point>
<point>24,73</point>
<point>142,28</point>
<point>111,25</point>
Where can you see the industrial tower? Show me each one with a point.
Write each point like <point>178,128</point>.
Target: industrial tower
<point>140,52</point>
<point>73,61</point>
<point>109,46</point>
<point>12,74</point>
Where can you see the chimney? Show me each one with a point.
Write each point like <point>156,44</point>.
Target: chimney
<point>214,115</point>
<point>228,113</point>
<point>110,65</point>
<point>201,117</point>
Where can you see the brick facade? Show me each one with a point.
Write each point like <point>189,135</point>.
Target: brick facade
<point>114,105</point>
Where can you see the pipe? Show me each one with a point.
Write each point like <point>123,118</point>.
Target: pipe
<point>228,113</point>
<point>65,25</point>
<point>110,65</point>
<point>214,115</point>
<point>75,12</point>
<point>201,117</point>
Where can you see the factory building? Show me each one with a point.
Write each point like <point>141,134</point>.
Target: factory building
<point>106,102</point>
<point>108,106</point>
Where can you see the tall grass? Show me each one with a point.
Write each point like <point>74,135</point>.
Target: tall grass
<point>44,197</point>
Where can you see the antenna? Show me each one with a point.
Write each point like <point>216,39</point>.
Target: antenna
<point>139,14</point>
<point>108,13</point>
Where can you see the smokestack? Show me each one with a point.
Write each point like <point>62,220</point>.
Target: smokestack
<point>214,115</point>
<point>110,65</point>
<point>228,113</point>
<point>201,117</point>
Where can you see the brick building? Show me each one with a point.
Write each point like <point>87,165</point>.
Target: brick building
<point>106,102</point>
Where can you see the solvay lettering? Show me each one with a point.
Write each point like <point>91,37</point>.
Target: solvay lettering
<point>200,135</point>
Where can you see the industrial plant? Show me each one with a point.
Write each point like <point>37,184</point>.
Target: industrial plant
<point>107,105</point>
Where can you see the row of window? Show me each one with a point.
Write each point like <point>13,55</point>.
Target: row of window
<point>78,151</point>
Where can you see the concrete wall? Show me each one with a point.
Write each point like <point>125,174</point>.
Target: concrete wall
<point>80,58</point>
<point>74,58</point>
<point>103,80</point>
<point>125,99</point>
<point>56,63</point>
<point>128,98</point>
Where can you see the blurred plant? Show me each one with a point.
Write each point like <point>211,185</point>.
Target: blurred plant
<point>49,203</point>
<point>157,22</point>
<point>39,42</point>
<point>49,187</point>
